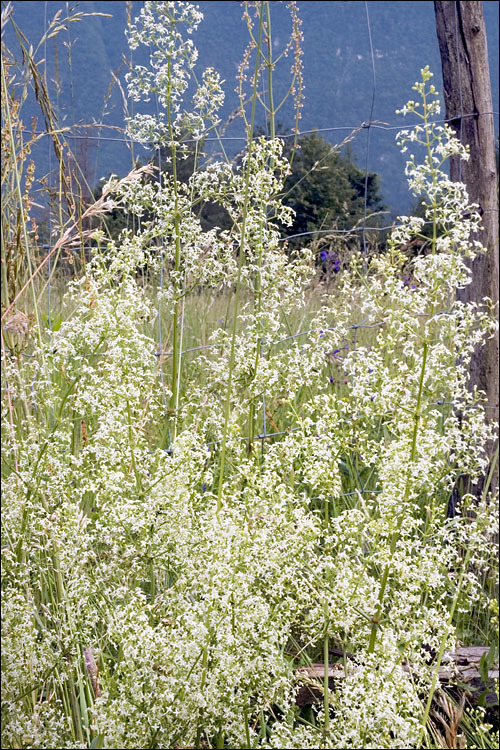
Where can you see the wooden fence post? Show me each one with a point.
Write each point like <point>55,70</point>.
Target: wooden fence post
<point>467,95</point>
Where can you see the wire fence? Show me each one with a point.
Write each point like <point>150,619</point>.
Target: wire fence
<point>369,125</point>
<point>361,229</point>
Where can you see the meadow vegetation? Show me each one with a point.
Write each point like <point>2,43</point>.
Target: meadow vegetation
<point>182,532</point>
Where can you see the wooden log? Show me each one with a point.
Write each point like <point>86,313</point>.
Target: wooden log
<point>312,689</point>
<point>460,672</point>
<point>463,46</point>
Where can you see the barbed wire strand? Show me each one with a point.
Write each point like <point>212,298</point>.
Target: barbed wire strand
<point>126,139</point>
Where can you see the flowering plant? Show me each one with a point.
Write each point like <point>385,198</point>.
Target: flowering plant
<point>155,597</point>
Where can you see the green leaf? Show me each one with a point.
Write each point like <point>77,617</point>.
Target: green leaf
<point>488,659</point>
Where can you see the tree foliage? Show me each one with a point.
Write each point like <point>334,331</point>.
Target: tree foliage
<point>326,189</point>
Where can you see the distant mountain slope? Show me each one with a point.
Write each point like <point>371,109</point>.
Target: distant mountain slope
<point>343,82</point>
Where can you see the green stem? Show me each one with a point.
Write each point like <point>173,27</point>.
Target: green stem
<point>247,728</point>
<point>270,64</point>
<point>132,454</point>
<point>177,238</point>
<point>396,533</point>
<point>326,684</point>
<point>241,256</point>
<point>258,276</point>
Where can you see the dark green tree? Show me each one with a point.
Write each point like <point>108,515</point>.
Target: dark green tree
<point>327,189</point>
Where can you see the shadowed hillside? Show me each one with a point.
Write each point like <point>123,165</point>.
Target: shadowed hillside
<point>345,84</point>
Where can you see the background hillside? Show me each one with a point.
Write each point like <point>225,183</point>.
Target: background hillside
<point>341,88</point>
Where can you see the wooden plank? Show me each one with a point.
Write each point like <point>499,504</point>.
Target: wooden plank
<point>467,93</point>
<point>460,671</point>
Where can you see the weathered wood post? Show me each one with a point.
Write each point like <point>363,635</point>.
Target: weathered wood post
<point>467,95</point>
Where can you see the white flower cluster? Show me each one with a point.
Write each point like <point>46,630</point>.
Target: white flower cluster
<point>172,58</point>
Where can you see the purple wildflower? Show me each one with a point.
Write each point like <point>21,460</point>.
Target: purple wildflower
<point>336,262</point>
<point>407,282</point>
<point>336,352</point>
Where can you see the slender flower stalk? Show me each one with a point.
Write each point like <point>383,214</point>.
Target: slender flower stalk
<point>21,202</point>
<point>241,260</point>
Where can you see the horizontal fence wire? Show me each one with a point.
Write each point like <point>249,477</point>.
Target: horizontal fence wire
<point>124,138</point>
<point>261,341</point>
<point>313,232</point>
